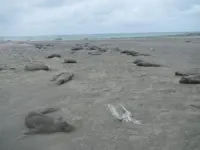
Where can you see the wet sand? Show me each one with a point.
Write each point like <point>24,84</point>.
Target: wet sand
<point>152,95</point>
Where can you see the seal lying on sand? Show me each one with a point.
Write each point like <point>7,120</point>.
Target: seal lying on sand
<point>53,56</point>
<point>185,73</point>
<point>36,67</point>
<point>63,77</point>
<point>133,53</point>
<point>94,53</point>
<point>69,61</point>
<point>191,79</point>
<point>143,63</point>
<point>6,68</point>
<point>77,47</point>
<point>38,122</point>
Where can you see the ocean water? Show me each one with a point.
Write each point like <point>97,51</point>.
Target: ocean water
<point>88,36</point>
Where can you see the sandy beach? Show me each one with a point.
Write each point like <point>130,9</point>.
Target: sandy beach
<point>152,94</point>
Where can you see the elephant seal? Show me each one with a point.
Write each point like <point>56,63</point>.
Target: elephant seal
<point>39,123</point>
<point>36,67</point>
<point>191,79</point>
<point>143,63</point>
<point>77,47</point>
<point>53,56</point>
<point>185,73</point>
<point>133,53</point>
<point>63,78</point>
<point>69,61</point>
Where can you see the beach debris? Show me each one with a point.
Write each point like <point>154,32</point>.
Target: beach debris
<point>124,116</point>
<point>191,79</point>
<point>77,47</point>
<point>71,61</point>
<point>36,67</point>
<point>140,62</point>
<point>53,55</point>
<point>39,122</point>
<point>63,78</point>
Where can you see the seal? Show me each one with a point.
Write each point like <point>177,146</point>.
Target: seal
<point>185,73</point>
<point>36,67</point>
<point>191,79</point>
<point>69,61</point>
<point>63,77</point>
<point>143,63</point>
<point>39,123</point>
<point>53,56</point>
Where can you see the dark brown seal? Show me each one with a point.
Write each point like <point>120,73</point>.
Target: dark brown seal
<point>53,56</point>
<point>143,63</point>
<point>39,123</point>
<point>191,79</point>
<point>36,67</point>
<point>63,77</point>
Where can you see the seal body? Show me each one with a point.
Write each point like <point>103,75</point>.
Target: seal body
<point>39,122</point>
<point>191,79</point>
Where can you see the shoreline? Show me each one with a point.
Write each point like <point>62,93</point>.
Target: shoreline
<point>103,36</point>
<point>107,39</point>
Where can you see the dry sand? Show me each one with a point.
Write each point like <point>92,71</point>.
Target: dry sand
<point>152,95</point>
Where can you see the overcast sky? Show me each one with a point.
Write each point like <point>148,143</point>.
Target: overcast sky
<point>47,17</point>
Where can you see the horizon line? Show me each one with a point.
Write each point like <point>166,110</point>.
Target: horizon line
<point>76,34</point>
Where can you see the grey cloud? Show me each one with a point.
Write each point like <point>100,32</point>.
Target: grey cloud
<point>24,17</point>
<point>52,3</point>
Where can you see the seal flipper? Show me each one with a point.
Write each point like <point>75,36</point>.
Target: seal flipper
<point>36,130</point>
<point>27,133</point>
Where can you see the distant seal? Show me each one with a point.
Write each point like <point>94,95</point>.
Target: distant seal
<point>94,53</point>
<point>77,47</point>
<point>143,63</point>
<point>191,79</point>
<point>69,61</point>
<point>7,68</point>
<point>185,73</point>
<point>133,53</point>
<point>36,67</point>
<point>53,56</point>
<point>63,77</point>
<point>38,122</point>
